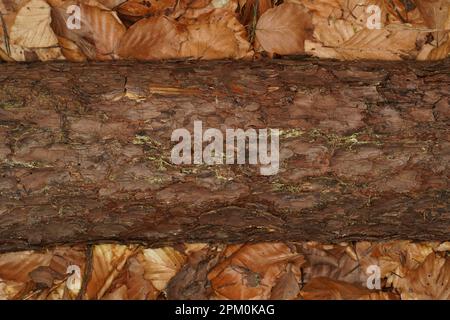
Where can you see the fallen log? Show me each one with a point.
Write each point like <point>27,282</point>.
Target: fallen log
<point>85,152</point>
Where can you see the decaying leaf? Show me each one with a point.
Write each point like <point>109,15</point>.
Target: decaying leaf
<point>284,29</point>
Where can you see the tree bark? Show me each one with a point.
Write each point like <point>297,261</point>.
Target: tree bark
<point>85,152</point>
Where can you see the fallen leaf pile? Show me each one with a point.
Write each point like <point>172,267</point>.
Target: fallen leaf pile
<point>79,30</point>
<point>277,271</point>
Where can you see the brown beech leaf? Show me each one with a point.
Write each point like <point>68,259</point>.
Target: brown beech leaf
<point>131,284</point>
<point>376,44</point>
<point>431,280</point>
<point>394,258</point>
<point>284,29</point>
<point>333,33</point>
<point>30,32</point>
<point>216,35</point>
<point>152,39</point>
<point>111,4</point>
<point>328,9</point>
<point>191,281</point>
<point>337,262</point>
<point>10,289</point>
<point>161,265</point>
<point>107,262</point>
<point>16,266</point>
<point>251,271</point>
<point>8,51</point>
<point>31,27</point>
<point>134,10</point>
<point>327,289</point>
<point>435,13</point>
<point>100,29</point>
<point>287,286</point>
<point>71,51</point>
<point>197,8</point>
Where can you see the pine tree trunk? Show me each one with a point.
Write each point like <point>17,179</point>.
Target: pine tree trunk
<point>85,152</point>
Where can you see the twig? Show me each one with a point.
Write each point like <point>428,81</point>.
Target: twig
<point>87,272</point>
<point>5,35</point>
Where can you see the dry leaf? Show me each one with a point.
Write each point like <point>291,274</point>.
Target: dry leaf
<point>161,265</point>
<point>71,51</point>
<point>431,280</point>
<point>100,29</point>
<point>252,271</point>
<point>31,27</point>
<point>287,286</point>
<point>376,44</point>
<point>336,262</point>
<point>16,266</point>
<point>394,258</point>
<point>131,284</point>
<point>10,289</point>
<point>217,35</point>
<point>107,262</point>
<point>284,29</point>
<point>191,281</point>
<point>328,289</point>
<point>153,38</point>
<point>134,10</point>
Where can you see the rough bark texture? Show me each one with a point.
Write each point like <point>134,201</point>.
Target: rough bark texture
<point>85,152</point>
